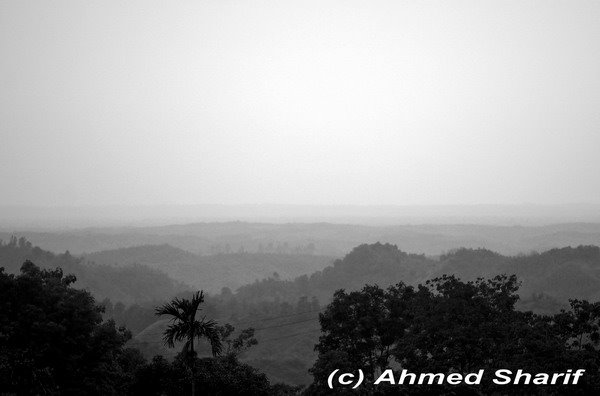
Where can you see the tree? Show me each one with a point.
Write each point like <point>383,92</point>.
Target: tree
<point>185,327</point>
<point>365,325</point>
<point>458,325</point>
<point>53,340</point>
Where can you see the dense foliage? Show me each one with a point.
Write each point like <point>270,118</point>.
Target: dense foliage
<point>447,325</point>
<point>214,376</point>
<point>53,341</point>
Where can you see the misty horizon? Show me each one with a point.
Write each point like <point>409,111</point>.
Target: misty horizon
<point>21,217</point>
<point>308,103</point>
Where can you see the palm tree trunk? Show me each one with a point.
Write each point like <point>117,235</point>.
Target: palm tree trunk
<point>193,365</point>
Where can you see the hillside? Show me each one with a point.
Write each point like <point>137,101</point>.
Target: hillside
<point>127,284</point>
<point>212,273</point>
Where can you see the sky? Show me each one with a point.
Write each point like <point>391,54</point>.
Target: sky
<point>299,102</point>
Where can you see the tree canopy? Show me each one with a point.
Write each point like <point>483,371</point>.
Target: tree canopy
<point>53,340</point>
<point>447,325</point>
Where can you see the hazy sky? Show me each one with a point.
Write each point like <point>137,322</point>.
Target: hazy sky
<point>305,102</point>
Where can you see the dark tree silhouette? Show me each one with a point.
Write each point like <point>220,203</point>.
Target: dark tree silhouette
<point>53,340</point>
<point>447,325</point>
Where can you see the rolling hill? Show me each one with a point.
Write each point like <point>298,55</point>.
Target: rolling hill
<point>212,273</point>
<point>326,239</point>
<point>128,284</point>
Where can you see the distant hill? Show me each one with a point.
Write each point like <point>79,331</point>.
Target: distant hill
<point>325,239</point>
<point>211,273</point>
<point>21,216</point>
<point>128,284</point>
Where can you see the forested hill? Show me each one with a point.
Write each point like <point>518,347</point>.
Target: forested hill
<point>213,272</point>
<point>128,284</point>
<point>569,272</point>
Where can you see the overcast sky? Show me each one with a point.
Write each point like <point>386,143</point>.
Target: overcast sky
<point>303,102</point>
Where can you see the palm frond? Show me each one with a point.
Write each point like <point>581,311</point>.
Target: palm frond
<point>182,308</point>
<point>197,299</point>
<point>176,332</point>
<point>174,309</point>
<point>208,329</point>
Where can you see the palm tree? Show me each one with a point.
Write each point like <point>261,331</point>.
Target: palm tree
<point>185,327</point>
